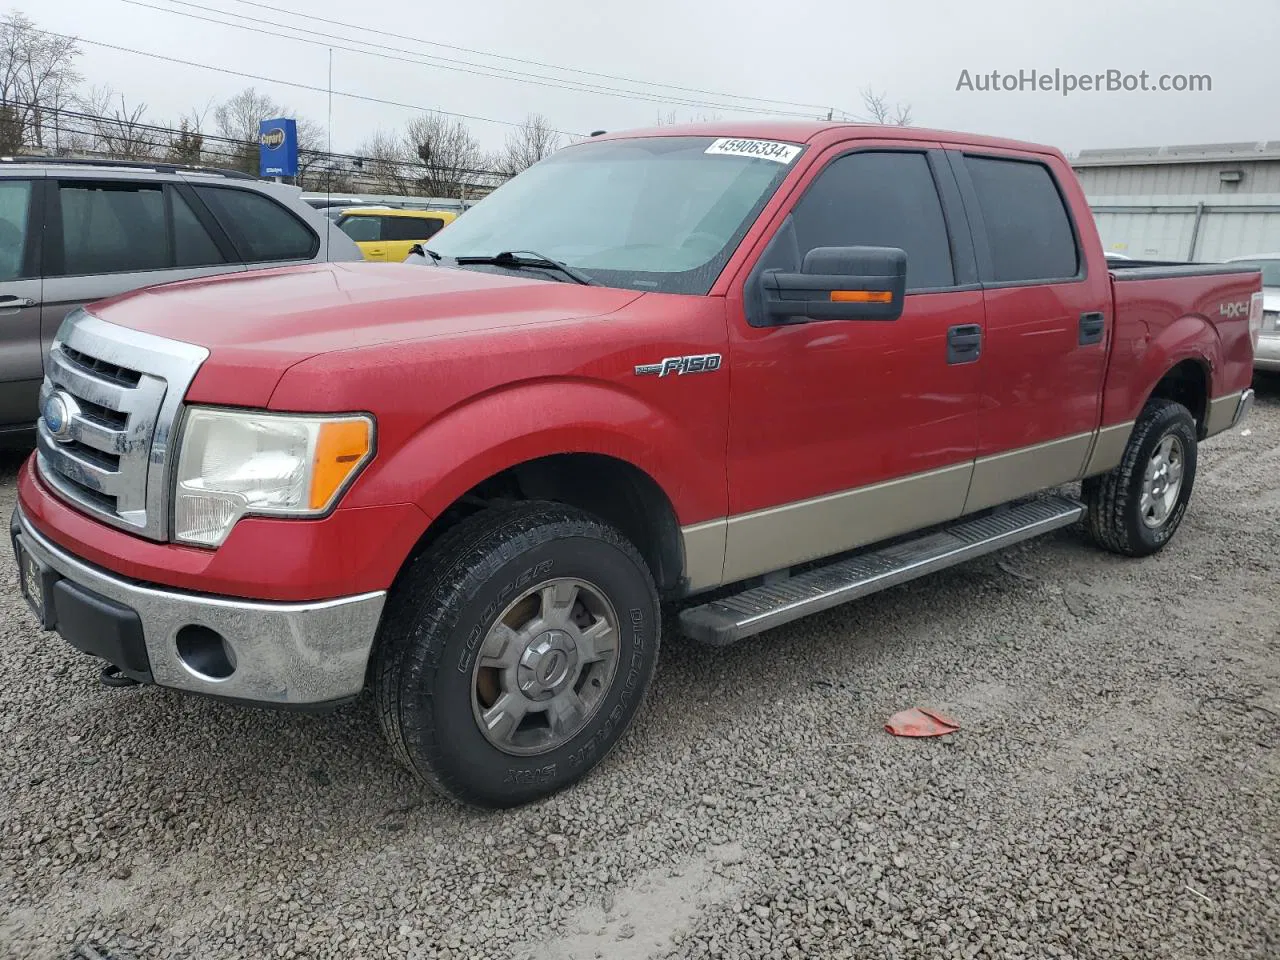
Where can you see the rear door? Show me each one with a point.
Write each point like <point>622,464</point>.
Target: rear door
<point>846,432</point>
<point>20,294</point>
<point>1048,316</point>
<point>107,237</point>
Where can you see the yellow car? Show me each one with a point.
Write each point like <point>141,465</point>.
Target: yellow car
<point>387,233</point>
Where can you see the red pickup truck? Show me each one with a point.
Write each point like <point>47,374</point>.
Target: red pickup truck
<point>748,371</point>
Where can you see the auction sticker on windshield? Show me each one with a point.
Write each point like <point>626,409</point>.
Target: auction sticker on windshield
<point>763,149</point>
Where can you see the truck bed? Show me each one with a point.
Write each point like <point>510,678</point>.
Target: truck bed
<point>1161,269</point>
<point>1169,312</point>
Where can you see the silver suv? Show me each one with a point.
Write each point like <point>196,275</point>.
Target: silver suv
<point>75,231</point>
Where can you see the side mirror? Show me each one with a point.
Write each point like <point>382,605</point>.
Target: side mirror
<point>839,283</point>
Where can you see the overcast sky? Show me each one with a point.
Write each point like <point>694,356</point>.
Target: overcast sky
<point>816,53</point>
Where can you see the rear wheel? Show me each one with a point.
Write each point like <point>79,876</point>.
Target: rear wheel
<point>515,653</point>
<point>1136,508</point>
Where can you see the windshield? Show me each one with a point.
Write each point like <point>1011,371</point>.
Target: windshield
<point>1270,270</point>
<point>655,213</point>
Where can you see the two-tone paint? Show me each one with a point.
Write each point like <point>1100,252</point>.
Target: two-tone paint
<point>803,441</point>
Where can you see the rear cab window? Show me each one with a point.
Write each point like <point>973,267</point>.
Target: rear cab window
<point>1029,230</point>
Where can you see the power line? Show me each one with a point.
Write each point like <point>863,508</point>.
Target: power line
<point>124,127</point>
<point>447,63</point>
<point>530,63</point>
<point>288,83</point>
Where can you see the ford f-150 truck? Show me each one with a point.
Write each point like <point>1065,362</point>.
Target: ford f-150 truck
<point>746,371</point>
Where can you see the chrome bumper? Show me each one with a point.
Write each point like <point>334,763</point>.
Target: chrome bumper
<point>1225,412</point>
<point>281,654</point>
<point>1243,407</point>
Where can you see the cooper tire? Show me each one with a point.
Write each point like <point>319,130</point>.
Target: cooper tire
<point>427,674</point>
<point>1119,519</point>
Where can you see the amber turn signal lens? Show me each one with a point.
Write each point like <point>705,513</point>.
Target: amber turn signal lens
<point>861,296</point>
<point>341,449</point>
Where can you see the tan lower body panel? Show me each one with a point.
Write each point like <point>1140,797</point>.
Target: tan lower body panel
<point>704,554</point>
<point>1007,476</point>
<point>1220,413</point>
<point>735,548</point>
<point>780,537</point>
<point>1108,449</point>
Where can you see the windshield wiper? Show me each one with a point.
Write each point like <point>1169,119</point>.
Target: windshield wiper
<point>419,248</point>
<point>528,258</point>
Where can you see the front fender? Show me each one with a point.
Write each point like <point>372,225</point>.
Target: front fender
<point>490,433</point>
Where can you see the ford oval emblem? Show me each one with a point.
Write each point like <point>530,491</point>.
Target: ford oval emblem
<point>60,408</point>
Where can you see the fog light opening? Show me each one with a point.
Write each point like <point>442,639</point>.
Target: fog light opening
<point>206,652</point>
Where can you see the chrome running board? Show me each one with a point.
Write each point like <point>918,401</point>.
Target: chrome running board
<point>733,618</point>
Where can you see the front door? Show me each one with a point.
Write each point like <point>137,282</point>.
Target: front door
<point>20,294</point>
<point>847,432</point>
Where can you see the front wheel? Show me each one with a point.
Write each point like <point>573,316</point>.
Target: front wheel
<point>1136,508</point>
<point>515,653</point>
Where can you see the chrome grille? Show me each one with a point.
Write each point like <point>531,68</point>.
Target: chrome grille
<point>125,390</point>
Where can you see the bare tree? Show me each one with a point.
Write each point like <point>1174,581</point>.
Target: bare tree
<point>385,163</point>
<point>118,129</point>
<point>326,175</point>
<point>434,156</point>
<point>237,119</point>
<point>532,141</point>
<point>37,75</point>
<point>879,110</point>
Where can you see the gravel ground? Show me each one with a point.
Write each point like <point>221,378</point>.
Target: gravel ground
<point>1114,790</point>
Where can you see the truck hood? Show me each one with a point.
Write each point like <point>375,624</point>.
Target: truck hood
<point>256,325</point>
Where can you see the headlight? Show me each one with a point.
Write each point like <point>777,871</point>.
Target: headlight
<point>235,463</point>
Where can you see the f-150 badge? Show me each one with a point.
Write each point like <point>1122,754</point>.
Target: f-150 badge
<point>697,363</point>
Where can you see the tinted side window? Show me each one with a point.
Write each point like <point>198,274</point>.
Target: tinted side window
<point>192,245</point>
<point>410,228</point>
<point>881,200</point>
<point>1028,229</point>
<point>260,227</point>
<point>15,204</point>
<point>112,227</point>
<point>362,229</point>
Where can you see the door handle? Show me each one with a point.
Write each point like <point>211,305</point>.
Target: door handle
<point>964,343</point>
<point>13,300</point>
<point>1092,328</point>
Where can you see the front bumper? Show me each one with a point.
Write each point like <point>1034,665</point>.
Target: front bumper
<point>279,654</point>
<point>1267,354</point>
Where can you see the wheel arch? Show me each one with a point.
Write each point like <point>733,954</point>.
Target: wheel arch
<point>594,445</point>
<point>1186,382</point>
<point>608,487</point>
